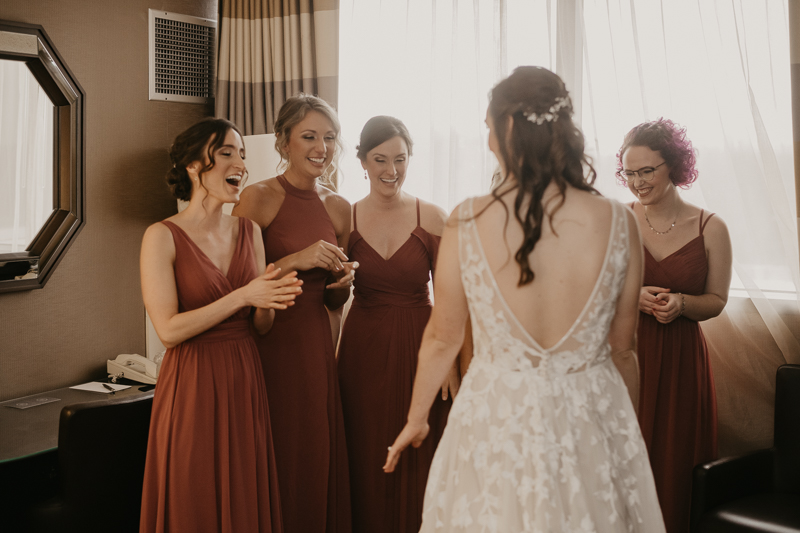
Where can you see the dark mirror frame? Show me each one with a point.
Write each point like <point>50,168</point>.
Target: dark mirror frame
<point>30,44</point>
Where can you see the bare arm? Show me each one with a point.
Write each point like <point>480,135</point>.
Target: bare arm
<point>264,317</point>
<point>260,203</point>
<point>337,290</point>
<point>466,352</point>
<point>622,332</point>
<point>433,219</point>
<point>160,292</point>
<point>443,337</point>
<point>718,282</point>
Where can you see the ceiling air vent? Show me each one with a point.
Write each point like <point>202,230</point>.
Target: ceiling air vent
<point>182,57</point>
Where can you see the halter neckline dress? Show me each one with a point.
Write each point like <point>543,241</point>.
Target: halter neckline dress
<point>300,374</point>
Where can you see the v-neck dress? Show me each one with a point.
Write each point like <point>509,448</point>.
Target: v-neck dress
<point>677,402</point>
<point>300,372</point>
<point>377,364</point>
<point>210,463</point>
<point>541,440</point>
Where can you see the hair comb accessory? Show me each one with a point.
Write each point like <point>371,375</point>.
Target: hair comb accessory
<point>551,115</point>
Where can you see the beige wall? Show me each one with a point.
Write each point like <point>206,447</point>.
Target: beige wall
<point>91,308</point>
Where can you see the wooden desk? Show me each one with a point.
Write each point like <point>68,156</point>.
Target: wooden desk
<point>32,431</point>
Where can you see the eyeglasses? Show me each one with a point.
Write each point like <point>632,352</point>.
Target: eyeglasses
<point>646,173</point>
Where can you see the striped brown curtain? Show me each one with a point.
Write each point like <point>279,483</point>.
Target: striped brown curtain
<point>270,50</point>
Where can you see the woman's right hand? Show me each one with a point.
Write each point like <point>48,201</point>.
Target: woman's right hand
<point>321,254</point>
<point>647,299</point>
<point>267,292</point>
<point>412,434</point>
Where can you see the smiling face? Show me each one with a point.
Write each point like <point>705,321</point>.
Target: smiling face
<point>224,180</point>
<point>311,146</point>
<point>647,192</point>
<point>386,166</point>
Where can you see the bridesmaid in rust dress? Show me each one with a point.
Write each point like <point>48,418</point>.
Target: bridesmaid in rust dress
<point>305,227</point>
<point>210,462</point>
<point>395,239</point>
<point>686,279</point>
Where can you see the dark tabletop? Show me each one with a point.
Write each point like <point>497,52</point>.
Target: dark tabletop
<point>32,431</point>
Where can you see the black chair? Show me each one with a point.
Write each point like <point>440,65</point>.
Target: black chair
<point>759,491</point>
<point>101,453</point>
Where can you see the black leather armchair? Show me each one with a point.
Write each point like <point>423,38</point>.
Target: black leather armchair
<point>758,492</point>
<point>101,453</point>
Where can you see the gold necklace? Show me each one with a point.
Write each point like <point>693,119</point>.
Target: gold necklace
<point>661,232</point>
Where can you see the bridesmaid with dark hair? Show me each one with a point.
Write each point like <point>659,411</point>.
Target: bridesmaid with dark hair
<point>305,226</point>
<point>210,462</point>
<point>395,239</point>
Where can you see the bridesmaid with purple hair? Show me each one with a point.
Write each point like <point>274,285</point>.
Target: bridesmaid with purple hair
<point>686,279</point>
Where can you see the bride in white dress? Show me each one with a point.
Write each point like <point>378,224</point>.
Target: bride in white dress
<point>543,435</point>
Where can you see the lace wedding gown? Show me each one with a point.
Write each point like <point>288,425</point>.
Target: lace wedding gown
<point>541,440</point>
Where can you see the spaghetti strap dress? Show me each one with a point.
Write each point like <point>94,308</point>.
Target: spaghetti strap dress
<point>210,464</point>
<point>377,364</point>
<point>677,402</point>
<point>300,373</point>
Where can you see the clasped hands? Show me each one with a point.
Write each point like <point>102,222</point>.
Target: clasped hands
<point>664,305</point>
<point>323,254</point>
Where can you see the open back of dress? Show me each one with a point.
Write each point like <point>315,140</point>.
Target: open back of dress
<point>541,440</point>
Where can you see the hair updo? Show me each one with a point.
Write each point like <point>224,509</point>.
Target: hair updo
<point>541,147</point>
<point>190,146</point>
<point>380,129</point>
<point>293,111</point>
<point>668,139</point>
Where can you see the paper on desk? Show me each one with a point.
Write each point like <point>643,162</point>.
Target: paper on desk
<point>96,386</point>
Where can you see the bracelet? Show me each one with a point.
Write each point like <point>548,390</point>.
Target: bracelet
<point>683,304</point>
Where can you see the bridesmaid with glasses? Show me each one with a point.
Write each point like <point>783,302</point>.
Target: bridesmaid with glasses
<point>686,279</point>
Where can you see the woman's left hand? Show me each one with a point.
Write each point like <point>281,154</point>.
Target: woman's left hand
<point>412,434</point>
<point>451,383</point>
<point>669,308</point>
<point>345,276</point>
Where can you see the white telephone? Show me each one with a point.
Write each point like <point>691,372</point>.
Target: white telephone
<point>135,367</point>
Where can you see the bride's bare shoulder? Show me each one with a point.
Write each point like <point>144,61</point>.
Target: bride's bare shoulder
<point>492,204</point>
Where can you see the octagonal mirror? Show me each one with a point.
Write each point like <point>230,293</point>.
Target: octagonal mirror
<point>41,157</point>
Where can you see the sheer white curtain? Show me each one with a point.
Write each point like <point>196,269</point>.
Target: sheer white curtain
<point>26,156</point>
<point>721,69</point>
<point>430,64</point>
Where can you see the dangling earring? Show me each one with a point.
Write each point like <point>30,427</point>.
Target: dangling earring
<point>365,175</point>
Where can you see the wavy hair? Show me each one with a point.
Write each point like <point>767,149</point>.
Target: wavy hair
<point>198,142</point>
<point>668,139</point>
<point>536,154</point>
<point>293,111</point>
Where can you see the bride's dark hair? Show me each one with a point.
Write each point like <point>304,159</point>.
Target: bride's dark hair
<point>536,152</point>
